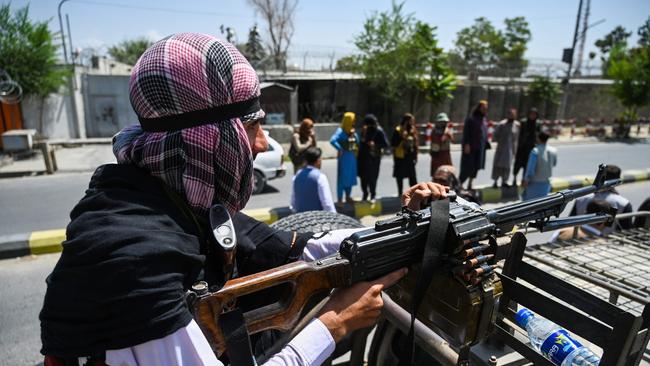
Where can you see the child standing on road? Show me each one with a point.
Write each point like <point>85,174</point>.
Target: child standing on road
<point>539,169</point>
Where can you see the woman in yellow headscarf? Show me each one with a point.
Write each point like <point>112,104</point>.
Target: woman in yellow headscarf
<point>346,142</point>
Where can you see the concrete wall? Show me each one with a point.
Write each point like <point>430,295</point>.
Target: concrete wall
<point>326,100</point>
<point>107,105</point>
<point>51,117</point>
<point>103,105</point>
<point>54,117</point>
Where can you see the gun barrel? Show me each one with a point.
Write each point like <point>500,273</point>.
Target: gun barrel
<point>551,205</point>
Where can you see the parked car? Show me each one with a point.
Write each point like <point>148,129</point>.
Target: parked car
<point>268,165</point>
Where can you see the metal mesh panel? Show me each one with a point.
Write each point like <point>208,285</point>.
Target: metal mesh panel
<point>616,268</point>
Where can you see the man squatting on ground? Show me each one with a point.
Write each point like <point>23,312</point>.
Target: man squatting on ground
<point>310,190</point>
<point>140,236</point>
<point>611,196</point>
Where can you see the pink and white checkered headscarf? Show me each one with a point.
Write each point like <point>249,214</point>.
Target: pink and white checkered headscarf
<point>192,93</point>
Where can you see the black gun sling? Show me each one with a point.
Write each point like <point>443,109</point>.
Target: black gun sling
<point>238,343</point>
<point>430,262</point>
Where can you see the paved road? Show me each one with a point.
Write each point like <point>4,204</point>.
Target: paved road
<point>22,287</point>
<point>44,202</point>
<point>572,160</point>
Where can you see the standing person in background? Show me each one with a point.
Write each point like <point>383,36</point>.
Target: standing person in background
<point>405,151</point>
<point>441,139</point>
<point>302,139</point>
<point>506,135</point>
<point>539,169</point>
<point>310,189</point>
<point>527,138</point>
<point>372,140</point>
<point>474,144</point>
<point>345,142</point>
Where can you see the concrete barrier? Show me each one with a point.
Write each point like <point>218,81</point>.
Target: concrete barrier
<point>49,241</point>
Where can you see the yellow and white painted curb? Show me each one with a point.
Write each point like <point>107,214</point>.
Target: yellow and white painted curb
<point>49,241</point>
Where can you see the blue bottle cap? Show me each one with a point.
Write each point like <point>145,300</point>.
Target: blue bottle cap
<point>523,316</point>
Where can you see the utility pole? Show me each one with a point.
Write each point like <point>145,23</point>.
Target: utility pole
<point>65,51</point>
<point>568,58</point>
<point>80,131</point>
<point>583,39</point>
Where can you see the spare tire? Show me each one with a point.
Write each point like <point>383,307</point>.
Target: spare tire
<point>316,221</point>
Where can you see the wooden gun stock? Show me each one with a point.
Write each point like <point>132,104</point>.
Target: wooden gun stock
<point>305,280</point>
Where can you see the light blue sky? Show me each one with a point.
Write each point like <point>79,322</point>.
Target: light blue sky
<point>327,26</point>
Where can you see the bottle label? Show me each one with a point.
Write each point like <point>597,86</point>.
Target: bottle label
<point>559,345</point>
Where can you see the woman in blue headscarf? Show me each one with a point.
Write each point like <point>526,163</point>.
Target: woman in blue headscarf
<point>346,142</point>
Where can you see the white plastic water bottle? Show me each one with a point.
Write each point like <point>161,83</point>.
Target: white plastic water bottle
<point>554,342</point>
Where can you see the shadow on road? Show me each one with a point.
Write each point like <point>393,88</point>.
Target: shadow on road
<point>268,189</point>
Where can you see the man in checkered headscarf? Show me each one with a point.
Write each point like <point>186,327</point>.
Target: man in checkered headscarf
<point>139,238</point>
<point>193,95</point>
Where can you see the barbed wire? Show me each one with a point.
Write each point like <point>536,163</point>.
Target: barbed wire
<point>325,58</point>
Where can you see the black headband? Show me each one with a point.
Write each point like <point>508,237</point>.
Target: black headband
<point>201,117</point>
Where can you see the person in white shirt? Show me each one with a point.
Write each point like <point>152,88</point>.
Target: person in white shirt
<point>620,203</point>
<point>311,189</point>
<point>594,206</point>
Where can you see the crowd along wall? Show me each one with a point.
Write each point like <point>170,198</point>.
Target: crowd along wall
<point>327,97</point>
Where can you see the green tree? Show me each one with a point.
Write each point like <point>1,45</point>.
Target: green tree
<point>516,38</point>
<point>644,34</point>
<point>617,37</point>
<point>542,91</point>
<point>630,69</point>
<point>28,53</point>
<point>347,63</point>
<point>400,55</point>
<point>129,51</point>
<point>432,77</point>
<point>489,51</point>
<point>478,45</point>
<point>382,59</point>
<point>254,49</point>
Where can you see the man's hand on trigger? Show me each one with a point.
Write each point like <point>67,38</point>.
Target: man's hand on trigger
<point>420,194</point>
<point>357,306</point>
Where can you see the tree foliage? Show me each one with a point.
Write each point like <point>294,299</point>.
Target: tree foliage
<point>348,63</point>
<point>28,53</point>
<point>616,38</point>
<point>543,91</point>
<point>630,69</point>
<point>254,50</point>
<point>431,74</point>
<point>400,54</point>
<point>489,51</point>
<point>644,34</point>
<point>516,38</point>
<point>129,51</point>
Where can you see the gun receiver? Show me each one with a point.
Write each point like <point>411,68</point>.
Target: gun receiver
<point>462,294</point>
